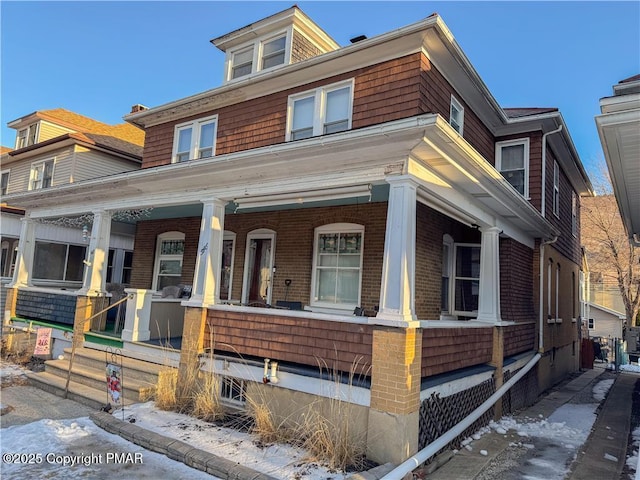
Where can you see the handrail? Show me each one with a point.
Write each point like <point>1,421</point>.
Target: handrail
<point>434,447</point>
<point>77,328</point>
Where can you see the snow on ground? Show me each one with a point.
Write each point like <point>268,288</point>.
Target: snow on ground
<point>77,448</point>
<point>548,446</point>
<point>632,461</point>
<point>630,368</point>
<point>278,460</point>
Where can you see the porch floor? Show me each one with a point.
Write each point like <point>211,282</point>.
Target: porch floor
<point>173,342</point>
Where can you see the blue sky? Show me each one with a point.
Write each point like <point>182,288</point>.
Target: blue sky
<point>99,58</point>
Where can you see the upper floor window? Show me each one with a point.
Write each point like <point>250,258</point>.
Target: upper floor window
<point>4,182</point>
<point>41,175</point>
<point>337,266</point>
<point>27,136</point>
<point>168,263</point>
<point>195,139</point>
<point>556,189</point>
<point>456,115</point>
<point>512,160</point>
<point>321,111</point>
<point>262,54</point>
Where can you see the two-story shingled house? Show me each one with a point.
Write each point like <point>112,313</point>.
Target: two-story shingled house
<point>58,147</point>
<point>371,206</point>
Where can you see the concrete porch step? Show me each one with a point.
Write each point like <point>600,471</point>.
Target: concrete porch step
<point>133,388</point>
<point>141,370</point>
<point>83,394</point>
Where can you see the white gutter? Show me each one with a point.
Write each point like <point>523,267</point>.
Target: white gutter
<point>426,453</point>
<point>541,296</point>
<point>543,200</point>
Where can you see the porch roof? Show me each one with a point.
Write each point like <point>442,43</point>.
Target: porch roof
<point>453,177</point>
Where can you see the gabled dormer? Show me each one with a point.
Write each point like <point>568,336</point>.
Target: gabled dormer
<point>281,39</point>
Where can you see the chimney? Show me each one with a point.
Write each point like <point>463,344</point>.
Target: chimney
<point>138,108</point>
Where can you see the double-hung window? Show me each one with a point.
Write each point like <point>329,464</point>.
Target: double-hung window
<point>337,266</point>
<point>321,111</point>
<point>195,139</point>
<point>41,175</point>
<point>262,54</point>
<point>4,182</point>
<point>27,136</point>
<point>460,279</point>
<point>512,161</point>
<point>556,189</point>
<point>168,264</point>
<point>456,115</point>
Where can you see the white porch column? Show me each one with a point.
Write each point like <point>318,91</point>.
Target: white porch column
<point>206,281</point>
<point>138,315</point>
<point>398,264</point>
<point>26,252</point>
<point>96,264</point>
<point>489,291</point>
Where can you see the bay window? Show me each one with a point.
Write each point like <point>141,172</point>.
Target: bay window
<point>512,161</point>
<point>195,139</point>
<point>337,266</point>
<point>321,111</point>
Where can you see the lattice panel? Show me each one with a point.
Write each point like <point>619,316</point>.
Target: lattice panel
<point>437,415</point>
<point>523,394</point>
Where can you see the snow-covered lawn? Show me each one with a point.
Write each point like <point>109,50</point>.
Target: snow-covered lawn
<point>278,460</point>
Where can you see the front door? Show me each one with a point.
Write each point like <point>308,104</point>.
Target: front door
<point>258,268</point>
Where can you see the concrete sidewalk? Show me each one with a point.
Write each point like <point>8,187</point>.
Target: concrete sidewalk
<point>491,456</point>
<point>604,454</point>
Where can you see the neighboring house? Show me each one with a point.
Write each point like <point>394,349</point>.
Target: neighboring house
<point>619,130</point>
<point>54,148</point>
<point>403,225</point>
<point>604,322</point>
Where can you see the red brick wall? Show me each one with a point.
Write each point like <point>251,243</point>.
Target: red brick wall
<point>297,340</point>
<point>293,250</point>
<point>448,349</point>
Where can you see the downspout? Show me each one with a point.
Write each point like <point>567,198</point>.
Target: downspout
<point>541,299</point>
<point>434,447</point>
<point>543,199</point>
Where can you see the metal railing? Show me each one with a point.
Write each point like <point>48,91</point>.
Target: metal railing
<point>78,333</point>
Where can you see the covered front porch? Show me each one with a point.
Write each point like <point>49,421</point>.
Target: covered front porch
<point>375,250</point>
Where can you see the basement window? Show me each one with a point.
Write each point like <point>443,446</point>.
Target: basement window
<point>233,390</point>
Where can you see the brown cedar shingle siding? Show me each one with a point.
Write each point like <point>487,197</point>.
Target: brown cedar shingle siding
<point>384,92</point>
<point>447,349</point>
<point>519,338</point>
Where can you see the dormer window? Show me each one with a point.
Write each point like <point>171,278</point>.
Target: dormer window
<point>262,54</point>
<point>27,136</point>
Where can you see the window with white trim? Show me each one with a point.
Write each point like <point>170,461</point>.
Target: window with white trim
<point>337,266</point>
<point>549,291</point>
<point>574,214</point>
<point>226,267</point>
<point>27,136</point>
<point>262,54</point>
<point>168,260</point>
<point>447,267</point>
<point>466,280</point>
<point>195,139</point>
<point>4,182</point>
<point>512,161</point>
<point>58,261</point>
<point>456,115</point>
<point>321,111</point>
<point>557,291</point>
<point>41,175</point>
<point>556,189</point>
